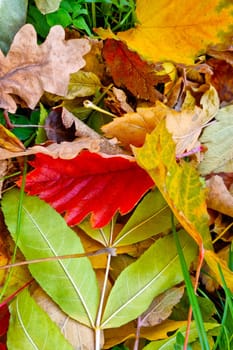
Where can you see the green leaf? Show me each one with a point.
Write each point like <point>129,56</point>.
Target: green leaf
<point>168,344</point>
<point>60,17</point>
<point>71,283</point>
<point>13,16</point>
<point>157,270</point>
<point>151,217</point>
<point>31,328</point>
<point>82,84</point>
<point>217,137</point>
<point>47,6</point>
<point>102,235</point>
<point>41,134</point>
<point>179,183</point>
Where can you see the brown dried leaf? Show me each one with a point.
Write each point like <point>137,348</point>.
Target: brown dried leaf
<point>29,69</point>
<point>219,198</point>
<point>64,150</point>
<point>161,307</point>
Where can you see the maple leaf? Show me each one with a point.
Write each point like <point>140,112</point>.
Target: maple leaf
<point>28,69</point>
<point>129,71</point>
<point>90,183</point>
<point>178,30</point>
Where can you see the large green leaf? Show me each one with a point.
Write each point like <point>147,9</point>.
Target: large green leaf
<point>13,16</point>
<point>151,217</point>
<point>31,328</point>
<point>179,183</point>
<point>71,283</point>
<point>157,270</point>
<point>217,137</point>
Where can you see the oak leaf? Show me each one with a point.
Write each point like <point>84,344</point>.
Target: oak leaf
<point>28,69</point>
<point>178,30</point>
<point>129,71</point>
<point>90,183</point>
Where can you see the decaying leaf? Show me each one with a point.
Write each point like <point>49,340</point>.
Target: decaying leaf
<point>46,6</point>
<point>219,142</point>
<point>9,141</point>
<point>219,198</point>
<point>161,307</point>
<point>64,150</point>
<point>186,125</point>
<point>28,69</point>
<point>56,130</point>
<point>131,129</point>
<point>82,84</point>
<point>89,183</point>
<point>76,333</point>
<point>130,71</point>
<point>177,30</point>
<point>179,183</point>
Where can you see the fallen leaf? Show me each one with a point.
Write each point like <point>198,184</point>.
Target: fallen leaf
<point>116,102</point>
<point>78,335</point>
<point>34,69</point>
<point>188,204</point>
<point>219,142</point>
<point>161,307</point>
<point>186,125</point>
<point>82,84</point>
<point>94,59</point>
<point>131,128</point>
<point>56,130</point>
<point>129,71</point>
<point>89,183</point>
<point>177,30</point>
<point>64,150</point>
<point>4,319</point>
<point>221,78</point>
<point>219,198</point>
<point>9,141</point>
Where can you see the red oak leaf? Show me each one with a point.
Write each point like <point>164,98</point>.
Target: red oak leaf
<point>129,71</point>
<point>90,183</point>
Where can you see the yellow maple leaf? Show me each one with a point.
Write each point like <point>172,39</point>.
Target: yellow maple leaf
<point>178,30</point>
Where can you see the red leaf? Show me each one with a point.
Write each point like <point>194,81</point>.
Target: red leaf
<point>129,71</point>
<point>90,183</point>
<point>4,319</point>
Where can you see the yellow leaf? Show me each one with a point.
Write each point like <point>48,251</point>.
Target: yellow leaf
<point>179,183</point>
<point>9,141</point>
<point>214,261</point>
<point>133,126</point>
<point>178,30</point>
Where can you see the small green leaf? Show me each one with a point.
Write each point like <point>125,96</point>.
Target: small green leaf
<point>60,17</point>
<point>217,137</point>
<point>47,6</point>
<point>151,217</point>
<point>31,328</point>
<point>157,270</point>
<point>13,16</point>
<point>71,283</point>
<point>41,134</point>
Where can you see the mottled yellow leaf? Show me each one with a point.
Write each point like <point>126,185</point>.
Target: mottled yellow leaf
<point>9,141</point>
<point>214,261</point>
<point>178,182</point>
<point>178,30</point>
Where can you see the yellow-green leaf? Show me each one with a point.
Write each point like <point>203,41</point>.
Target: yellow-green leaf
<point>179,183</point>
<point>178,30</point>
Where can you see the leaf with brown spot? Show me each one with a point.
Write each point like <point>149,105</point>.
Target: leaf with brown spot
<point>29,69</point>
